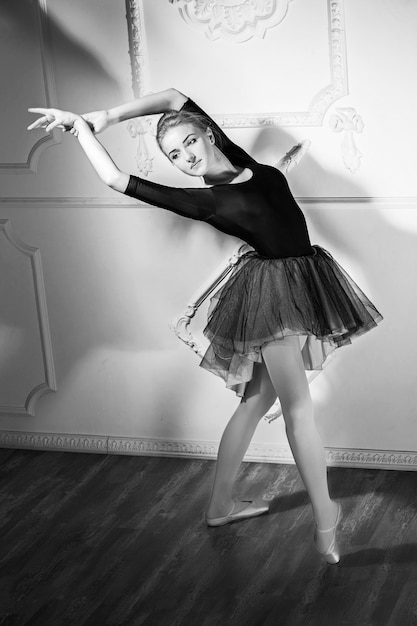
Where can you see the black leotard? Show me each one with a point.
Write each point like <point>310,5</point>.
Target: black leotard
<point>261,211</point>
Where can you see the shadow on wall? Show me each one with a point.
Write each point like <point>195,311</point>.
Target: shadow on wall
<point>72,60</point>
<point>95,298</point>
<point>277,141</point>
<point>327,223</point>
<point>374,244</point>
<point>105,246</point>
<point>98,320</point>
<point>109,331</point>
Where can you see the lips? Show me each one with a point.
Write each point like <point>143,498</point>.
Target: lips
<point>195,164</point>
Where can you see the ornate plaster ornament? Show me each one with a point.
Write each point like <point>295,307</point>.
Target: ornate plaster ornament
<point>320,102</point>
<point>146,446</point>
<point>180,325</point>
<point>235,20</point>
<point>137,129</point>
<point>347,120</point>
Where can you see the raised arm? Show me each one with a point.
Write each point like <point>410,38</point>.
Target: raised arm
<point>95,152</point>
<point>160,102</point>
<point>194,203</point>
<point>100,158</point>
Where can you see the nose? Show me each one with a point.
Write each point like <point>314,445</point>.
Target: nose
<point>190,156</point>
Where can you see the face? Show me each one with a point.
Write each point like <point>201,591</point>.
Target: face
<point>190,149</point>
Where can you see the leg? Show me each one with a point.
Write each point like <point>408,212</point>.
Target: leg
<point>285,365</point>
<point>260,396</point>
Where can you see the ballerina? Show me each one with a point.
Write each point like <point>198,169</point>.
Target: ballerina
<point>286,305</point>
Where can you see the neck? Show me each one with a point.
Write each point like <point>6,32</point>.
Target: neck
<point>222,170</point>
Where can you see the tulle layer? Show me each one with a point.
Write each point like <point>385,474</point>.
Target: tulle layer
<point>265,300</point>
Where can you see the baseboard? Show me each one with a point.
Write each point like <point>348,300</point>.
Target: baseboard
<point>257,453</point>
<point>54,442</point>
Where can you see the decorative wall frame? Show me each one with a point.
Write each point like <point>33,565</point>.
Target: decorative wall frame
<point>235,20</point>
<point>319,102</point>
<point>44,355</point>
<point>181,324</point>
<point>40,26</point>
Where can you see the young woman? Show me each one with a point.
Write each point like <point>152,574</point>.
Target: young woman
<point>286,306</point>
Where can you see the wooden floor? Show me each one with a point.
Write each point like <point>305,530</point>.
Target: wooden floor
<point>117,540</point>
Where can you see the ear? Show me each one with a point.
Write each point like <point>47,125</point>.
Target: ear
<point>210,135</point>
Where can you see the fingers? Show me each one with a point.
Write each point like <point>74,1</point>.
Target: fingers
<point>47,120</point>
<point>70,129</point>
<point>53,118</point>
<point>43,121</point>
<point>39,123</point>
<point>52,125</point>
<point>39,110</point>
<point>47,123</point>
<point>50,119</point>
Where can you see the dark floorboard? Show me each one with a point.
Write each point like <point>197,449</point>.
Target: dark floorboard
<point>120,541</point>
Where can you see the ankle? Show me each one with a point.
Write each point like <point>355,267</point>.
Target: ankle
<point>325,518</point>
<point>218,508</point>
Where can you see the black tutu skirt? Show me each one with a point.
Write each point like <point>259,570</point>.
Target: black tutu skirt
<point>266,299</point>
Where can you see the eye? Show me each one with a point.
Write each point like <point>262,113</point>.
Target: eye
<point>174,157</point>
<point>191,141</point>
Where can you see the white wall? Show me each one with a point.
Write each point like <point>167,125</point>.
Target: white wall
<point>115,274</point>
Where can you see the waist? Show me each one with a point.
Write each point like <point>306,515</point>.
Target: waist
<point>308,251</point>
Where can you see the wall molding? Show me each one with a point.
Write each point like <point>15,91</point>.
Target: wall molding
<point>101,202</point>
<point>258,453</point>
<point>76,202</point>
<point>49,383</point>
<point>63,442</point>
<point>41,26</point>
<point>319,104</point>
<point>237,22</point>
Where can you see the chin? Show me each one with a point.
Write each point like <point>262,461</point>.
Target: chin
<point>197,173</point>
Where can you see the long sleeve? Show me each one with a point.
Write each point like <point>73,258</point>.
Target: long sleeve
<point>235,154</point>
<point>196,203</point>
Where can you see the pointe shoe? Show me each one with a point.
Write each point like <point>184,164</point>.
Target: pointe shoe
<point>254,508</point>
<point>331,555</point>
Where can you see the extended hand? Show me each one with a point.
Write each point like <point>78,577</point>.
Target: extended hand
<point>52,118</point>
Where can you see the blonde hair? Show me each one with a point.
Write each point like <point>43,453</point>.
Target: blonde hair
<point>172,119</point>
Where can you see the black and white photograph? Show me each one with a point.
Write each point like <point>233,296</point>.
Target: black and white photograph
<point>208,279</point>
